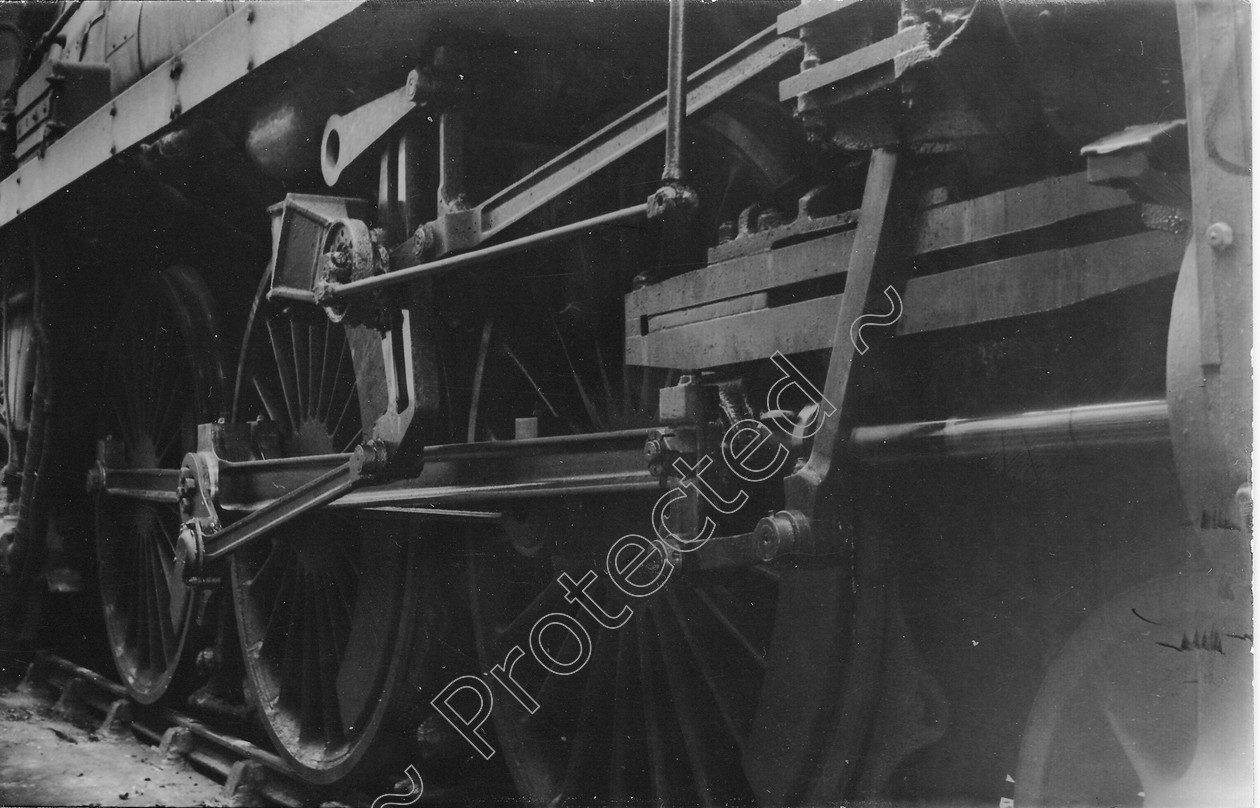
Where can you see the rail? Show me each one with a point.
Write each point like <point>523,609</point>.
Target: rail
<point>247,772</point>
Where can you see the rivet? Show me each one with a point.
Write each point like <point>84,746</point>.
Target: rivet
<point>1220,235</point>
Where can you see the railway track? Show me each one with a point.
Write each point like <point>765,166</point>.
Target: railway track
<point>248,774</point>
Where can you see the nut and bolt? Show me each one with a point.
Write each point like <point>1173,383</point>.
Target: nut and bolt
<point>370,458</point>
<point>186,487</point>
<point>654,451</point>
<point>779,532</point>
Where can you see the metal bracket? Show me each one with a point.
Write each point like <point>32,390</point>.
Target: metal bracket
<point>347,137</point>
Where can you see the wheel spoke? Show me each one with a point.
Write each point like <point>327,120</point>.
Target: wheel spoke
<point>284,364</point>
<point>709,673</point>
<point>300,362</point>
<point>651,719</point>
<point>312,716</point>
<point>688,721</point>
<point>529,614</point>
<point>582,747</point>
<point>318,410</point>
<point>733,630</point>
<point>548,696</point>
<point>620,718</point>
<point>345,410</point>
<point>327,670</point>
<point>312,405</point>
<point>267,573</point>
<point>153,613</point>
<point>479,371</point>
<point>354,441</point>
<point>276,604</point>
<point>291,660</point>
<point>162,602</point>
<point>169,411</point>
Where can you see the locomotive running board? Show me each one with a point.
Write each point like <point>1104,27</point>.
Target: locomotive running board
<point>235,48</point>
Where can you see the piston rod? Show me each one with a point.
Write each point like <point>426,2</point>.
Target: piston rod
<point>1092,427</point>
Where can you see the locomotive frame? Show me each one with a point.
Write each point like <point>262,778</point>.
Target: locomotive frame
<point>909,229</point>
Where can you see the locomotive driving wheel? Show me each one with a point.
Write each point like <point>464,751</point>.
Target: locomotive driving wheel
<point>163,376</point>
<point>325,605</point>
<point>666,709</point>
<point>1148,703</point>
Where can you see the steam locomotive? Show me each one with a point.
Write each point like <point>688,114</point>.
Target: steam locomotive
<point>673,403</point>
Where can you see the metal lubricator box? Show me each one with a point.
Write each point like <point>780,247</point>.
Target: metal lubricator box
<point>54,100</point>
<point>302,227</point>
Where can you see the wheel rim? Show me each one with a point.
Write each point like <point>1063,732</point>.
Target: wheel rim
<point>324,605</point>
<point>162,379</point>
<point>1149,703</point>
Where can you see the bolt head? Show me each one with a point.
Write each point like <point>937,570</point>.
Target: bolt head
<point>767,538</point>
<point>1220,235</point>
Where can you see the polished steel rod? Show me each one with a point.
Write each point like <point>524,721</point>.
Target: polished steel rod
<point>1068,429</point>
